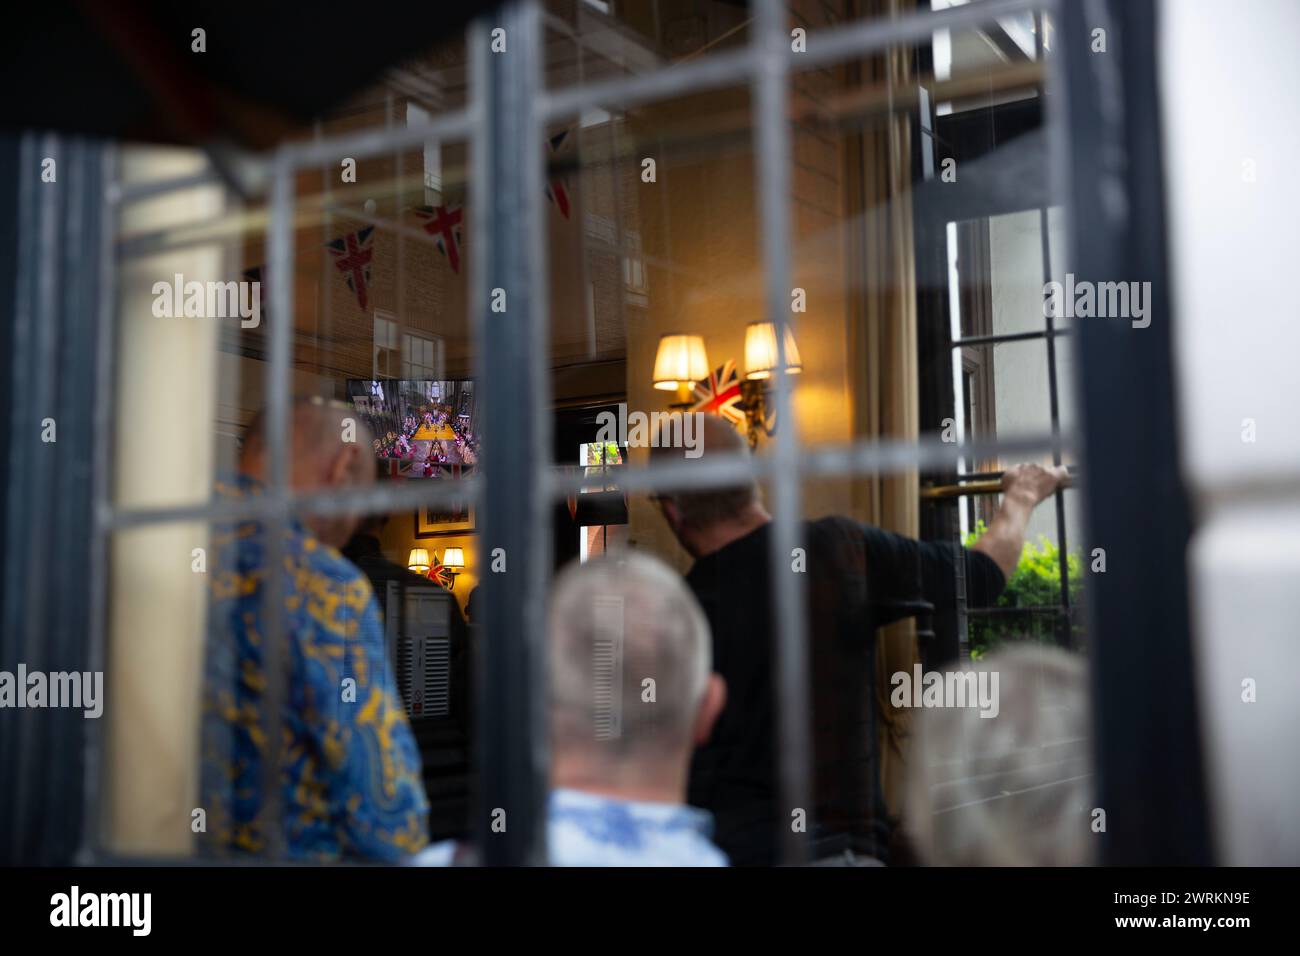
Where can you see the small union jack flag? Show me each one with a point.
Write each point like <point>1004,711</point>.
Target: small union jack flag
<point>557,190</point>
<point>353,254</point>
<point>444,222</point>
<point>720,395</point>
<point>439,574</point>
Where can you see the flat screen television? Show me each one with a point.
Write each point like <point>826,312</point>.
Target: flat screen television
<point>422,428</point>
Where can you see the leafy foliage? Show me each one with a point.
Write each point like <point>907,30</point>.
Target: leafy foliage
<point>1035,583</point>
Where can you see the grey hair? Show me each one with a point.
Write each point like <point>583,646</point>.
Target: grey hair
<point>617,622</point>
<point>1014,789</point>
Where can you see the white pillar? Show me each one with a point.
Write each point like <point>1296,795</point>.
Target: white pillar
<point>1229,74</point>
<point>165,413</point>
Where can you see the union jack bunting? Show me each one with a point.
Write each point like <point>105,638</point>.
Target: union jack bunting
<point>353,254</point>
<point>443,223</point>
<point>720,395</point>
<point>556,189</point>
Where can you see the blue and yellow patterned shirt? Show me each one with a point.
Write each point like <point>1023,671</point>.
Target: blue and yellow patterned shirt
<point>350,785</point>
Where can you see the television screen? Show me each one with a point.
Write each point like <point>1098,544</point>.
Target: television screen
<point>423,429</point>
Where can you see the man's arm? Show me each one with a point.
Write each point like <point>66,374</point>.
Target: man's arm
<point>1023,487</point>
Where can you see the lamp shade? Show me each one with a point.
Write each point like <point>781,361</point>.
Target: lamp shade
<point>453,559</point>
<point>680,360</point>
<point>418,561</point>
<point>760,351</point>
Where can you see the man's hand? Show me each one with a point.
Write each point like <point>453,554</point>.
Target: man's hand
<point>1032,483</point>
<point>1023,487</point>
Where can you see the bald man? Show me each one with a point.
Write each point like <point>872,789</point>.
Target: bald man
<point>349,784</point>
<point>858,578</point>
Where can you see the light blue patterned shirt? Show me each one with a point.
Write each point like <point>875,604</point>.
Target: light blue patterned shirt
<point>584,829</point>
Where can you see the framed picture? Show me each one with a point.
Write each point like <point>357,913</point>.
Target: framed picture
<point>454,518</point>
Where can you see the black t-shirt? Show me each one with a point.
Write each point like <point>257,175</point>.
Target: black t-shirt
<point>858,578</point>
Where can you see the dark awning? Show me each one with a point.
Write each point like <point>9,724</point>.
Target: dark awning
<point>125,69</point>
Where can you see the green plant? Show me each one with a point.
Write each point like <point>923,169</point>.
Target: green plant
<point>1035,583</point>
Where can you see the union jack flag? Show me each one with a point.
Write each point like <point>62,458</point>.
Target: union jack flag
<point>556,189</point>
<point>353,254</point>
<point>720,395</point>
<point>439,574</point>
<point>444,222</point>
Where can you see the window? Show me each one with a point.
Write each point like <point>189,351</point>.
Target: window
<point>634,276</point>
<point>608,508</point>
<point>422,357</point>
<point>386,352</point>
<point>1009,361</point>
<point>1008,358</point>
<point>911,302</point>
<point>418,116</point>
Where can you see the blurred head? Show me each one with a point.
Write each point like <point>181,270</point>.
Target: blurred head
<point>330,448</point>
<point>705,520</point>
<point>632,692</point>
<point>372,525</point>
<point>1010,790</point>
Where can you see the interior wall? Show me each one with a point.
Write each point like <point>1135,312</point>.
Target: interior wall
<point>703,220</point>
<point>398,539</point>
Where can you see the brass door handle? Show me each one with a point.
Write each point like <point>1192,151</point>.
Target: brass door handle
<point>989,486</point>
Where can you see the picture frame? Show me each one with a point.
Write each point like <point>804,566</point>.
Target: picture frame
<point>458,518</point>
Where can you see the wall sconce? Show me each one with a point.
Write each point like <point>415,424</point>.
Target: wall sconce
<point>761,360</point>
<point>680,362</point>
<point>418,561</point>
<point>453,563</point>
